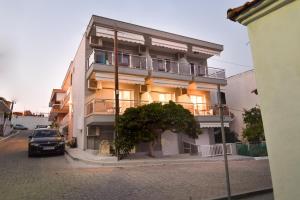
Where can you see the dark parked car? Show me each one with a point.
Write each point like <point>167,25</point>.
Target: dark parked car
<point>41,126</point>
<point>46,141</point>
<point>20,127</point>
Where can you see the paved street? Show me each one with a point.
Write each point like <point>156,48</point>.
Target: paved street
<point>58,177</point>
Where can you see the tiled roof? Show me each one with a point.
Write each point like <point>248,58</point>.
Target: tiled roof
<point>233,13</point>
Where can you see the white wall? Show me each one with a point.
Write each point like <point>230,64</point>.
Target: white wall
<point>78,94</point>
<point>169,142</point>
<point>206,137</point>
<point>30,121</point>
<point>239,97</point>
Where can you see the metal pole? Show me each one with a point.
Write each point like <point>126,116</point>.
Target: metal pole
<point>117,107</point>
<point>224,144</point>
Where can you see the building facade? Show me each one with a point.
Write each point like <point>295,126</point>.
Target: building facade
<point>154,66</point>
<point>274,29</point>
<point>241,94</point>
<point>5,111</point>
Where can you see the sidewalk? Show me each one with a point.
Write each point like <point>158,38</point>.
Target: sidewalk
<point>12,134</point>
<point>90,158</point>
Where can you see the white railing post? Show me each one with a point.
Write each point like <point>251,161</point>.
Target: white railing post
<point>130,61</point>
<point>178,72</point>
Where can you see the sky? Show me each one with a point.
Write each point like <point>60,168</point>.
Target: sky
<point>39,38</point>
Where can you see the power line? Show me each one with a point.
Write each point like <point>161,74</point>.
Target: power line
<point>232,63</point>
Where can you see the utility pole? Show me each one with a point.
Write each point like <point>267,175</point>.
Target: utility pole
<point>224,144</point>
<point>117,106</point>
<point>11,109</point>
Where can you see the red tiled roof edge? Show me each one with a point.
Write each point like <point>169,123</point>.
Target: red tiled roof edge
<point>233,13</point>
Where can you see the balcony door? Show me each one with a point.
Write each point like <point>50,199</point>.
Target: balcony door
<point>199,103</point>
<point>126,99</point>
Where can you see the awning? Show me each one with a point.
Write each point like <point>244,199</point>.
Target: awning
<point>205,51</point>
<point>122,78</point>
<point>208,87</point>
<point>170,83</point>
<point>124,36</point>
<point>168,44</point>
<point>213,124</point>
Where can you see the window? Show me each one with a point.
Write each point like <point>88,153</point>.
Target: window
<point>100,57</point>
<point>168,65</point>
<point>123,59</point>
<point>199,104</point>
<point>165,98</point>
<point>192,68</point>
<point>126,99</point>
<point>223,98</point>
<point>161,66</point>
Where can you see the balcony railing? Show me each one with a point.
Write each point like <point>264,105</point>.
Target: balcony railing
<point>155,64</point>
<point>107,106</point>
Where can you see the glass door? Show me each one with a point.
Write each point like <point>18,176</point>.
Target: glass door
<point>199,103</point>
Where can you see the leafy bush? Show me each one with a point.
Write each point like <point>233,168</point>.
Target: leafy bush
<point>146,123</point>
<point>254,131</point>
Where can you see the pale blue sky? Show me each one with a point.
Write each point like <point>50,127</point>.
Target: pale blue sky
<point>39,38</point>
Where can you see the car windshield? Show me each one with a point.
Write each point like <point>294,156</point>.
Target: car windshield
<point>46,133</point>
<point>41,126</point>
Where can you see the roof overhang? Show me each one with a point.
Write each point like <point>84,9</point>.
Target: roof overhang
<point>53,96</point>
<point>136,29</point>
<point>4,107</point>
<point>254,10</point>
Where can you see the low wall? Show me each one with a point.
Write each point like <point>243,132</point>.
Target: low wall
<point>30,121</point>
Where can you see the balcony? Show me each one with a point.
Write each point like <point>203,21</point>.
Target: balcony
<point>65,121</point>
<point>65,100</point>
<point>165,68</point>
<point>104,109</point>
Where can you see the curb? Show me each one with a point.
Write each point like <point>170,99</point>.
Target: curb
<point>143,163</point>
<point>12,135</point>
<point>246,194</point>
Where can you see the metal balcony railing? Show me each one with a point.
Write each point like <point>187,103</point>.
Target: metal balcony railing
<point>155,64</point>
<point>107,106</point>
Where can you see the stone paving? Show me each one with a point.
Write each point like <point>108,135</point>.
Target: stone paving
<point>58,177</point>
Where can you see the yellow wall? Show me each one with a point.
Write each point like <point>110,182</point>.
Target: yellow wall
<point>275,43</point>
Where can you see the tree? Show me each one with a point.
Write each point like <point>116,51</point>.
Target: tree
<point>146,123</point>
<point>254,131</point>
<point>230,136</point>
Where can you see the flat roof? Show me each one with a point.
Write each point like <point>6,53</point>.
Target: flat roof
<point>124,26</point>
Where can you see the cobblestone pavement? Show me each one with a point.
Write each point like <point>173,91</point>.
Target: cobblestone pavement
<point>58,177</point>
<point>267,196</point>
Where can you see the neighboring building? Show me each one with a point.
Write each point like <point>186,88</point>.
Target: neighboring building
<point>154,66</point>
<point>5,125</point>
<point>241,93</point>
<point>274,30</point>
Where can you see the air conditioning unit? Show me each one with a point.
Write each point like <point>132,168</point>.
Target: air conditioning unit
<point>143,88</point>
<point>94,84</point>
<point>182,91</point>
<point>95,41</point>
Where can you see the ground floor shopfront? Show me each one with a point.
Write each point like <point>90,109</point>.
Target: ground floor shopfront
<point>168,143</point>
